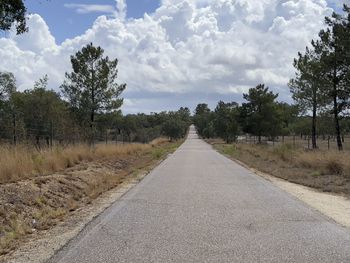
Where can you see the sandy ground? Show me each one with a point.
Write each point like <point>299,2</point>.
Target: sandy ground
<point>42,247</point>
<point>336,207</point>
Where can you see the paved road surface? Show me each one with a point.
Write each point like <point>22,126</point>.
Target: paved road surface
<point>199,206</point>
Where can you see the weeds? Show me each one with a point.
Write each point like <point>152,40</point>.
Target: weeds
<point>23,162</point>
<point>324,170</point>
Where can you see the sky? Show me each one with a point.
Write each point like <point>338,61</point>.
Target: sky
<point>171,53</point>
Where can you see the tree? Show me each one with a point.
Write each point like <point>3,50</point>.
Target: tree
<point>288,115</point>
<point>184,114</point>
<point>13,12</point>
<point>7,85</point>
<point>7,91</point>
<point>260,115</point>
<point>49,117</point>
<point>91,88</point>
<point>226,121</point>
<point>203,121</point>
<point>176,123</point>
<point>333,48</point>
<point>174,128</point>
<point>201,108</point>
<point>308,86</point>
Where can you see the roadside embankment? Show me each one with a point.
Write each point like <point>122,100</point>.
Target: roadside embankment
<point>327,171</point>
<point>42,195</point>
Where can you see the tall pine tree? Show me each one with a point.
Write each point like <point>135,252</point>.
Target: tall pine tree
<point>91,88</point>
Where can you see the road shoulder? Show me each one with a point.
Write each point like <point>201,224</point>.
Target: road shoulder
<point>334,206</point>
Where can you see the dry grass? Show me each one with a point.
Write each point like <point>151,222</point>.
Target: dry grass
<point>325,170</point>
<point>23,162</point>
<point>41,201</point>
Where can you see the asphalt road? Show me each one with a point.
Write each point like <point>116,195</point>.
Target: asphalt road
<point>199,206</point>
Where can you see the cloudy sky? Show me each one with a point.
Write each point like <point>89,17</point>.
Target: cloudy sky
<point>172,53</point>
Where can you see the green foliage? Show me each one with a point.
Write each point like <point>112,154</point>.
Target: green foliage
<point>203,120</point>
<point>226,121</point>
<point>7,85</point>
<point>260,114</point>
<point>323,73</point>
<point>308,85</point>
<point>8,96</point>
<point>12,12</point>
<point>176,126</point>
<point>302,126</point>
<point>173,129</point>
<point>288,115</point>
<point>91,88</point>
<point>229,150</point>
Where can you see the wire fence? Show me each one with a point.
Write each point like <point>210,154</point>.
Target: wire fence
<point>324,142</point>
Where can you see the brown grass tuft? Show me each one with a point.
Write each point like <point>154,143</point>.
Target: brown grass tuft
<point>321,169</point>
<point>23,162</point>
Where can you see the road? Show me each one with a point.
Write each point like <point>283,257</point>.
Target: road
<point>199,206</point>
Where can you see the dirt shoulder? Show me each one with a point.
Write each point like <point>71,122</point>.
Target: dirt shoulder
<point>40,215</point>
<point>326,171</point>
<point>334,205</point>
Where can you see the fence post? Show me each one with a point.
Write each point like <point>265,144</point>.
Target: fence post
<point>294,140</point>
<point>328,141</point>
<point>14,124</point>
<point>308,142</point>
<point>51,134</point>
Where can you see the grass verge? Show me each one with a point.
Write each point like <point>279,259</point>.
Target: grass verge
<point>24,162</point>
<point>41,201</point>
<point>328,171</point>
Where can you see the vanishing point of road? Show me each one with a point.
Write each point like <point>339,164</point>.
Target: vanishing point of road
<point>199,206</point>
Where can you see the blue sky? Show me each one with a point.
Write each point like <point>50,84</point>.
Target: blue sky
<point>65,22</point>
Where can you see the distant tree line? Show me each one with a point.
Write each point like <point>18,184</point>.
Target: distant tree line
<point>261,116</point>
<point>87,108</point>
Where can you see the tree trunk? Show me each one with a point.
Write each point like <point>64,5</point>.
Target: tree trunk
<point>51,134</point>
<point>14,128</point>
<point>92,117</point>
<point>313,133</point>
<point>336,122</point>
<point>335,110</point>
<point>92,128</point>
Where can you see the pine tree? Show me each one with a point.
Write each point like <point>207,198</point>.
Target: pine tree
<point>260,113</point>
<point>334,50</point>
<point>91,88</point>
<point>308,86</point>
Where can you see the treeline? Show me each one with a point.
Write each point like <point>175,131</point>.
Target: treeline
<point>260,116</point>
<point>87,108</point>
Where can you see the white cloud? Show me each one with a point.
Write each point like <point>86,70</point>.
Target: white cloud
<point>122,8</point>
<point>188,51</point>
<point>38,40</point>
<point>91,8</point>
